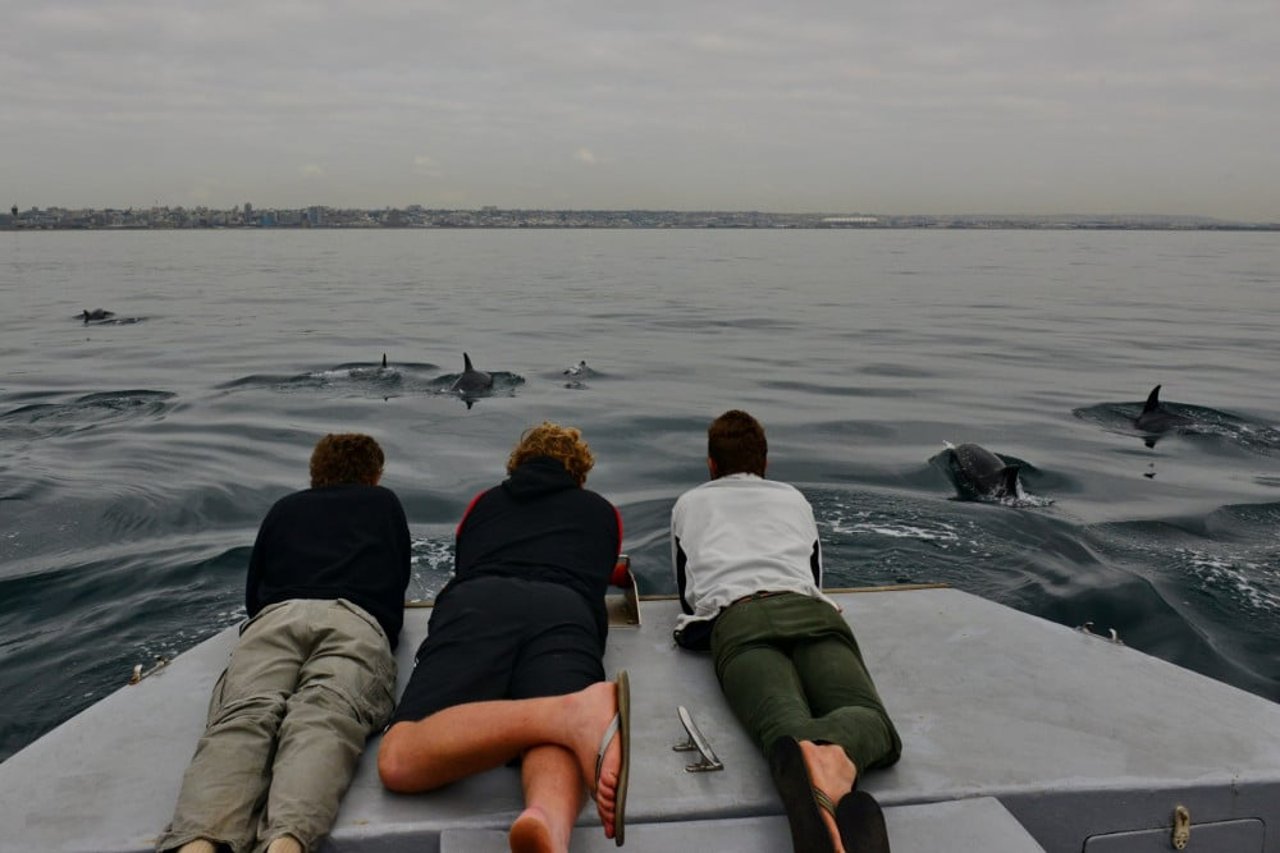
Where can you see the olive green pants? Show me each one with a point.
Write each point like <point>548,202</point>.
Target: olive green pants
<point>308,682</point>
<point>789,665</point>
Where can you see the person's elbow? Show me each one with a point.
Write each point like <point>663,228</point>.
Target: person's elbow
<point>395,766</point>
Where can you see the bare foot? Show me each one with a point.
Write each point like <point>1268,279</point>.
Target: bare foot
<point>832,773</point>
<point>590,715</point>
<point>531,833</point>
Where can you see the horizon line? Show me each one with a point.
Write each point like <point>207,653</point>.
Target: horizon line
<point>488,208</point>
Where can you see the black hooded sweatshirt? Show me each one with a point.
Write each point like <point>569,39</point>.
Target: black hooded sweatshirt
<point>539,524</point>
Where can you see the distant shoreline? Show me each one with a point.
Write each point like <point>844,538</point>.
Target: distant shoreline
<point>416,217</point>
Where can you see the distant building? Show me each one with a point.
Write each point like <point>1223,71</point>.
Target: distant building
<point>850,220</point>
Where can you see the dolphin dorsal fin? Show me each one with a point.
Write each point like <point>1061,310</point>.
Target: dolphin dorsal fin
<point>1009,474</point>
<point>1153,400</point>
<point>466,362</point>
<point>384,359</point>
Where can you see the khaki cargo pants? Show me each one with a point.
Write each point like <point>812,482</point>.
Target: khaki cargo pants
<point>308,682</point>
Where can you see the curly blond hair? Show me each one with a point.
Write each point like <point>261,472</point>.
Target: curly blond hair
<point>347,457</point>
<point>563,444</point>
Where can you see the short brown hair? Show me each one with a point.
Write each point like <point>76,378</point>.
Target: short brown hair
<point>346,457</point>
<point>736,443</point>
<point>563,444</point>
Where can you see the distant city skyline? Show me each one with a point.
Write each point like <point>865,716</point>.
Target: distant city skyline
<point>417,216</point>
<point>1130,107</point>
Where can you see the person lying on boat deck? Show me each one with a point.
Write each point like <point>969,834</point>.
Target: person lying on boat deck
<point>748,569</point>
<point>312,675</point>
<point>512,665</point>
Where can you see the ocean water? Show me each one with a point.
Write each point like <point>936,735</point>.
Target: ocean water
<point>138,455</point>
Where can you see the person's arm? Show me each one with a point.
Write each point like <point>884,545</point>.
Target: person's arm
<point>405,545</point>
<point>695,635</point>
<point>461,560</point>
<point>815,557</point>
<point>679,560</point>
<point>257,566</point>
<point>618,516</point>
<point>467,514</point>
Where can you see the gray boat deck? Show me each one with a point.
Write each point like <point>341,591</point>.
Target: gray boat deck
<point>980,824</point>
<point>1087,744</point>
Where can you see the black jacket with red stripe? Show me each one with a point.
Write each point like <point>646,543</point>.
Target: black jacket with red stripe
<point>539,524</point>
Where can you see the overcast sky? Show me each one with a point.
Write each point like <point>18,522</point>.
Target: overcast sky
<point>936,106</point>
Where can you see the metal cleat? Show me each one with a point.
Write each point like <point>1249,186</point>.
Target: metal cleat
<point>696,741</point>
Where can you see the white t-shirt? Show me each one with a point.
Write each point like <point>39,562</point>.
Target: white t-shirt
<point>738,535</point>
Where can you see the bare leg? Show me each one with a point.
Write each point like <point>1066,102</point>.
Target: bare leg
<point>200,845</point>
<point>553,797</point>
<point>467,739</point>
<point>832,773</point>
<point>285,844</point>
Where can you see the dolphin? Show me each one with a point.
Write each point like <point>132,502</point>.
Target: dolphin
<point>977,472</point>
<point>1155,418</point>
<point>579,369</point>
<point>97,314</point>
<point>384,361</point>
<point>472,381</point>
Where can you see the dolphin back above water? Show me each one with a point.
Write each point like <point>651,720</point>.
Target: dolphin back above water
<point>977,472</point>
<point>1155,417</point>
<point>471,381</point>
<point>97,314</point>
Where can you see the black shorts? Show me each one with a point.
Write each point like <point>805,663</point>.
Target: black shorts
<point>502,638</point>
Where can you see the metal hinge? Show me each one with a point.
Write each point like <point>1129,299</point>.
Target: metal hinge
<point>1181,828</point>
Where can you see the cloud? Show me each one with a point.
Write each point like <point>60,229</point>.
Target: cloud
<point>926,106</point>
<point>426,166</point>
